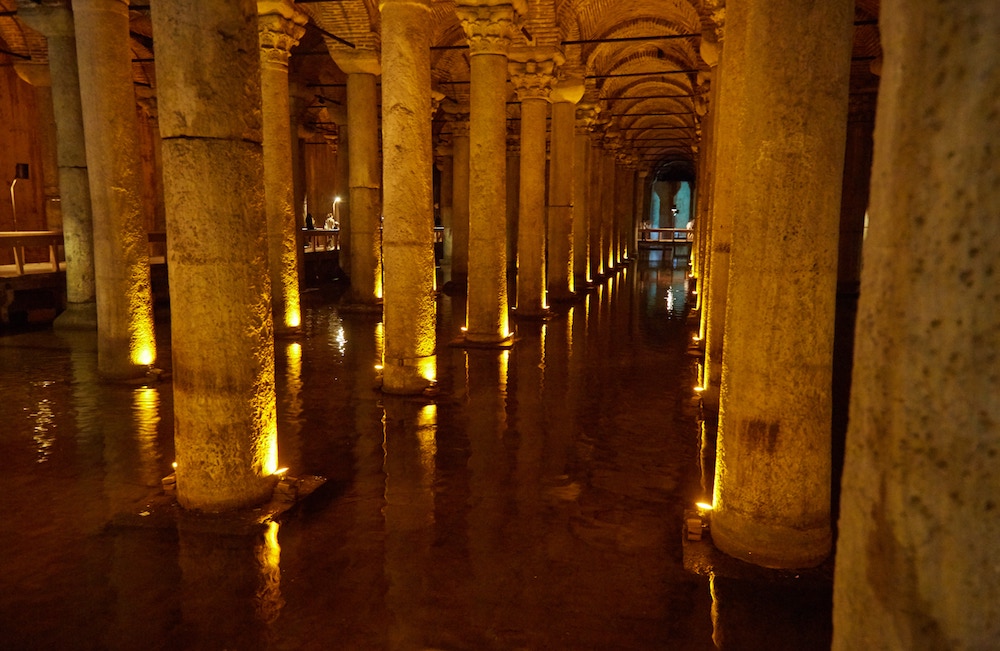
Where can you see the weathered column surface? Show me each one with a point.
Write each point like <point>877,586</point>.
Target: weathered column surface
<point>772,483</point>
<point>582,196</point>
<point>365,265</point>
<point>280,26</point>
<point>460,201</point>
<point>917,547</point>
<point>56,23</point>
<point>595,209</point>
<point>531,72</point>
<point>489,30</point>
<point>409,364</point>
<point>126,341</point>
<point>220,295</point>
<point>560,277</point>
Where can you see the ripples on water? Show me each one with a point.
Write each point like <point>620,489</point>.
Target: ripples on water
<point>535,504</point>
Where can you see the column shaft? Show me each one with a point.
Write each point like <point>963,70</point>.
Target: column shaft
<point>531,211</point>
<point>409,307</point>
<point>460,204</point>
<point>581,206</point>
<point>126,343</point>
<point>608,211</point>
<point>916,550</point>
<point>225,427</point>
<point>366,245</point>
<point>446,166</point>
<point>595,209</point>
<point>772,485</point>
<point>513,199</point>
<point>561,206</point>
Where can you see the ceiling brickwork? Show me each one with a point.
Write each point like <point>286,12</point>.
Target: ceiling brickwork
<point>642,60</point>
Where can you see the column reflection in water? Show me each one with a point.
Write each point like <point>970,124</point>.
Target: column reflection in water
<point>290,415</point>
<point>409,466</point>
<point>229,587</point>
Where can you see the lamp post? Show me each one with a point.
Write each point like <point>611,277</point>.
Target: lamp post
<point>20,172</point>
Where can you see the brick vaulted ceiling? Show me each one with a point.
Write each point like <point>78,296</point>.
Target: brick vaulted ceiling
<point>645,63</point>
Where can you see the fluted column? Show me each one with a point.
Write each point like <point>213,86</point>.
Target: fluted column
<point>531,72</point>
<point>126,340</point>
<point>489,30</point>
<point>460,201</point>
<point>916,550</point>
<point>560,276</point>
<point>772,483</point>
<point>56,23</point>
<point>225,427</point>
<point>582,196</point>
<point>365,268</point>
<point>281,26</point>
<point>409,364</point>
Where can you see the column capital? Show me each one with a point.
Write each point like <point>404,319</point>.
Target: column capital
<point>459,123</point>
<point>586,115</point>
<point>488,27</point>
<point>358,61</point>
<point>568,88</point>
<point>532,71</point>
<point>513,144</point>
<point>146,99</point>
<point>279,27</point>
<point>51,18</point>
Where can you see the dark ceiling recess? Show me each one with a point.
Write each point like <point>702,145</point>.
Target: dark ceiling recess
<point>676,170</point>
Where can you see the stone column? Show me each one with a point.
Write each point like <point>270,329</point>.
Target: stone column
<point>562,167</point>
<point>342,188</point>
<point>38,75</point>
<point>445,163</point>
<point>220,296</point>
<point>772,482</point>
<point>595,209</point>
<point>609,178</point>
<point>582,197</point>
<point>126,341</point>
<point>513,198</point>
<point>643,188</point>
<point>916,552</point>
<point>56,23</point>
<point>460,202</point>
<point>531,72</point>
<point>854,196</point>
<point>365,271</point>
<point>409,364</point>
<point>489,30</point>
<point>281,26</point>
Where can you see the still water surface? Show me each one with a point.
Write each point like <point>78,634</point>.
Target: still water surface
<point>535,504</point>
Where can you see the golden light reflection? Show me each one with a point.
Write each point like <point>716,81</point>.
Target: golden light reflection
<point>427,368</point>
<point>380,342</point>
<point>704,506</point>
<point>44,417</point>
<point>269,601</point>
<point>427,434</point>
<point>146,407</point>
<point>504,368</point>
<point>271,450</point>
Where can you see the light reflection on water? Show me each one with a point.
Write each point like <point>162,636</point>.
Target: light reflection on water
<point>535,503</point>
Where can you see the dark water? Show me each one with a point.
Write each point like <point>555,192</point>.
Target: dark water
<point>535,504</point>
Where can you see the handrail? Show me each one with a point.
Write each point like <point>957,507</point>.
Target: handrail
<point>18,240</point>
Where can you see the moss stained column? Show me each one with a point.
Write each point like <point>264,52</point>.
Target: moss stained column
<point>56,23</point>
<point>560,276</point>
<point>531,72</point>
<point>489,29</point>
<point>772,483</point>
<point>917,546</point>
<point>409,364</point>
<point>281,26</point>
<point>125,334</point>
<point>225,427</point>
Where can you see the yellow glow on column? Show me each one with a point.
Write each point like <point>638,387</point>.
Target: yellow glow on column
<point>428,368</point>
<point>380,343</point>
<point>293,312</point>
<point>427,433</point>
<point>143,351</point>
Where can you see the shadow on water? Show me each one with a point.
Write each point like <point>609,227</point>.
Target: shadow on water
<point>536,503</point>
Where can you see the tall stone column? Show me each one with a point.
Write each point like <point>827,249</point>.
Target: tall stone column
<point>595,209</point>
<point>37,74</point>
<point>409,364</point>
<point>225,427</point>
<point>125,335</point>
<point>362,68</point>
<point>281,26</point>
<point>513,198</point>
<point>609,178</point>
<point>561,277</point>
<point>342,187</point>
<point>531,72</point>
<point>489,29</point>
<point>855,193</point>
<point>625,186</point>
<point>643,189</point>
<point>445,163</point>
<point>916,551</point>
<point>55,21</point>
<point>582,196</point>
<point>772,482</point>
<point>460,202</point>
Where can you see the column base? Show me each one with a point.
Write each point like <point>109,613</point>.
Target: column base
<point>410,376</point>
<point>770,545</point>
<point>543,314</point>
<point>77,316</point>
<point>563,297</point>
<point>468,340</point>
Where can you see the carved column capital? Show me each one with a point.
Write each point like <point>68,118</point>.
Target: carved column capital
<point>533,74</point>
<point>489,28</point>
<point>279,27</point>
